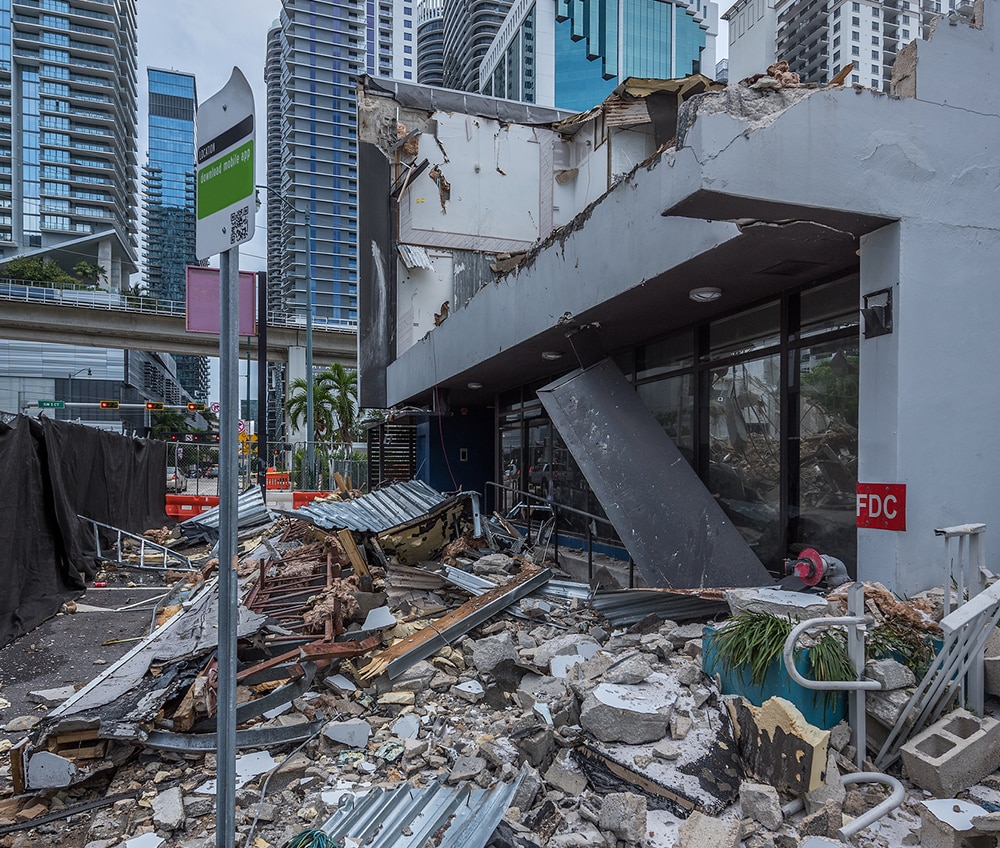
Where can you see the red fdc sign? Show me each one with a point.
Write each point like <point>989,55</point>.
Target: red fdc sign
<point>882,506</point>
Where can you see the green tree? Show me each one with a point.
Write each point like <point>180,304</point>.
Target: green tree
<point>295,406</point>
<point>168,421</point>
<point>35,269</point>
<point>89,273</point>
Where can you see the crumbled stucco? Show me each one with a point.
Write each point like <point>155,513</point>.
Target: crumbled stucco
<point>757,108</point>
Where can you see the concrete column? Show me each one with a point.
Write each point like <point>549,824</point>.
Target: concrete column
<point>929,396</point>
<point>104,260</point>
<point>296,371</point>
<point>115,275</point>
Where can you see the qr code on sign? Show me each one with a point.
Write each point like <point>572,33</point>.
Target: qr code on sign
<point>239,225</point>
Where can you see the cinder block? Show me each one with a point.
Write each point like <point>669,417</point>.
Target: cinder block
<point>953,753</point>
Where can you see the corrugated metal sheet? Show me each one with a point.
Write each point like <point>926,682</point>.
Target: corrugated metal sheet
<point>414,256</point>
<point>251,510</point>
<point>454,816</point>
<point>374,512</point>
<point>619,112</point>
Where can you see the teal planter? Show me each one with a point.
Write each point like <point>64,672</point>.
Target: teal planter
<point>821,709</point>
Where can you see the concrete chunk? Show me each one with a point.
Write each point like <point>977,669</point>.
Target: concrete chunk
<point>50,771</point>
<point>492,651</point>
<point>701,831</point>
<point>955,752</point>
<point>168,809</point>
<point>565,775</point>
<point>891,674</point>
<point>354,732</point>
<point>630,714</point>
<point>760,802</point>
<point>797,605</point>
<point>624,815</point>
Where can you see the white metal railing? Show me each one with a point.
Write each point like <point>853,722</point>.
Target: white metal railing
<point>31,292</point>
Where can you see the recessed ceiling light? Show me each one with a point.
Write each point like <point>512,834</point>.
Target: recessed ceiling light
<point>475,385</point>
<point>705,294</point>
<point>552,355</point>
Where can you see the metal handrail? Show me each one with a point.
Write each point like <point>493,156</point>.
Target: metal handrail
<point>557,509</point>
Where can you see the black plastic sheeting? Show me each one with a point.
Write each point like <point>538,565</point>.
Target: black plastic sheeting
<point>53,471</point>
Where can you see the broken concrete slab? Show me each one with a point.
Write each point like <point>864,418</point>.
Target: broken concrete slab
<point>795,605</point>
<point>630,714</point>
<point>490,652</point>
<point>778,746</point>
<point>890,673</point>
<point>955,752</point>
<point>406,727</point>
<point>568,645</point>
<point>471,691</point>
<point>948,823</point>
<point>466,768</point>
<point>52,697</point>
<point>629,672</point>
<point>832,790</point>
<point>50,771</point>
<point>354,732</point>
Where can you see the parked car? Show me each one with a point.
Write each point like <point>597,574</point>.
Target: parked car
<point>176,481</point>
<point>539,475</point>
<point>212,471</point>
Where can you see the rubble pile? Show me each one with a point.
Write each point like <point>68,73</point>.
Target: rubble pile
<point>472,676</point>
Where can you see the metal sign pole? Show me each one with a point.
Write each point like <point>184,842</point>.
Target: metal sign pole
<point>229,357</point>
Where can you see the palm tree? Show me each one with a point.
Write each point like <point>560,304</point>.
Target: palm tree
<point>342,387</point>
<point>295,406</point>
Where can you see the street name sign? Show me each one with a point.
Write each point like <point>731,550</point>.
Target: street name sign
<point>225,169</point>
<point>51,404</point>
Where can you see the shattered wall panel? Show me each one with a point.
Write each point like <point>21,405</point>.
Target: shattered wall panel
<point>667,519</point>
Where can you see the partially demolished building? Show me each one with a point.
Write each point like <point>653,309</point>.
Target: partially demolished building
<point>789,287</point>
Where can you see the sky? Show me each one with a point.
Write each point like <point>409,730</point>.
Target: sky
<point>208,38</point>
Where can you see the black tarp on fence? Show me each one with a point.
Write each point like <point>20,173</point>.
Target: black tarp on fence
<point>51,471</point>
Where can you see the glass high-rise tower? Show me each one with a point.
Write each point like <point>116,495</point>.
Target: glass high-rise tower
<point>315,52</point>
<point>68,161</point>
<point>169,202</point>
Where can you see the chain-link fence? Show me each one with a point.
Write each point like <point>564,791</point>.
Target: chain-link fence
<point>194,468</point>
<point>290,458</point>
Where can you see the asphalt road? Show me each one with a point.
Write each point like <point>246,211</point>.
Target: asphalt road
<point>67,650</point>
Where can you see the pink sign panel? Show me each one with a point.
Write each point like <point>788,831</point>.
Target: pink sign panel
<point>203,301</point>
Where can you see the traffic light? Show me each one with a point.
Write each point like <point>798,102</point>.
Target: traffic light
<point>196,407</point>
<point>109,404</point>
<point>154,405</point>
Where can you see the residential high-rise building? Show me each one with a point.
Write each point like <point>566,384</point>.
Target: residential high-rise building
<point>168,201</point>
<point>430,42</point>
<point>820,40</point>
<point>68,166</point>
<point>571,55</point>
<point>68,193</point>
<point>469,29</point>
<point>315,53</point>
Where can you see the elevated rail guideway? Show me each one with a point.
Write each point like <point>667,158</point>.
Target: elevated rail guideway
<point>33,312</point>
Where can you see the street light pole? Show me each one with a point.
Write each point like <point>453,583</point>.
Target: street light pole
<point>310,410</point>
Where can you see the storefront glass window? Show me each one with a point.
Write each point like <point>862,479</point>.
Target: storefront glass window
<point>828,451</point>
<point>744,451</point>
<point>672,403</point>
